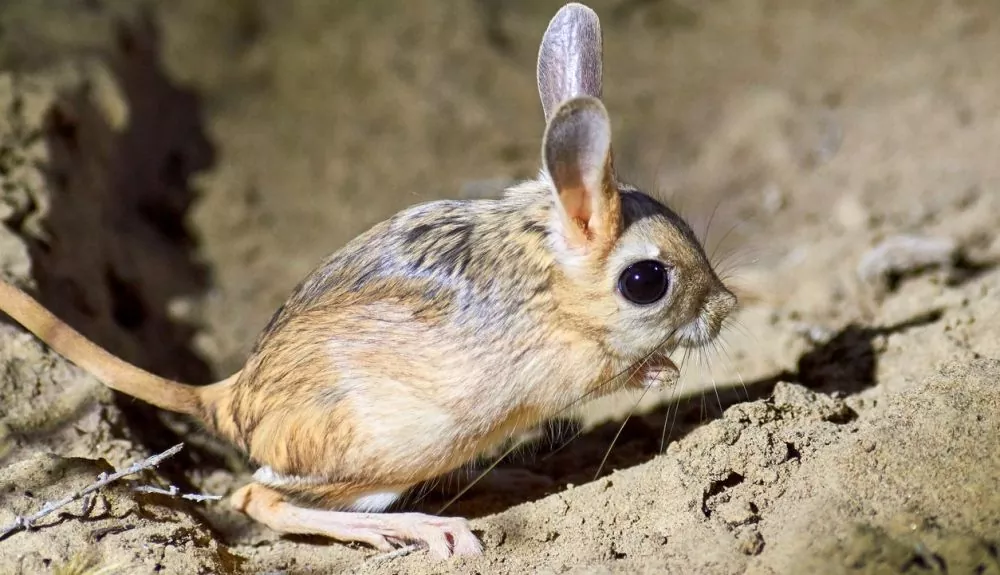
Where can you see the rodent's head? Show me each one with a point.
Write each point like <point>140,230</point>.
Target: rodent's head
<point>633,271</point>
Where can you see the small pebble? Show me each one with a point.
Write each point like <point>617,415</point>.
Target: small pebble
<point>751,543</point>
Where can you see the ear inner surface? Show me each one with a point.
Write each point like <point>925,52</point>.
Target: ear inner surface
<point>577,157</point>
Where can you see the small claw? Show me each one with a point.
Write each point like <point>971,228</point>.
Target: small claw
<point>466,543</point>
<point>438,545</point>
<point>443,537</point>
<point>377,541</point>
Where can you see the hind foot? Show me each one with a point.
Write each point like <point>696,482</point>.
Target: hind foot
<point>443,536</point>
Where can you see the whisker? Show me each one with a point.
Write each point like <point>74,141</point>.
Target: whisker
<point>423,490</point>
<point>621,428</point>
<point>479,477</point>
<point>637,366</point>
<point>641,364</point>
<point>551,454</point>
<point>732,264</point>
<point>733,322</point>
<point>724,348</point>
<point>708,224</point>
<point>629,370</point>
<point>706,363</point>
<point>702,365</point>
<point>735,259</point>
<point>722,241</point>
<point>667,417</point>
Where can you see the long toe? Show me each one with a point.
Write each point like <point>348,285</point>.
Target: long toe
<point>465,541</point>
<point>436,540</point>
<point>442,536</point>
<point>373,538</point>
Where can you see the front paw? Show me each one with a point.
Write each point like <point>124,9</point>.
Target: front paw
<point>660,373</point>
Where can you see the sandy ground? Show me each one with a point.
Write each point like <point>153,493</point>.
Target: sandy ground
<point>166,180</point>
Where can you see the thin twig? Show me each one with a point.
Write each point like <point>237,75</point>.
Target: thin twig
<point>22,522</point>
<point>396,553</point>
<point>174,491</point>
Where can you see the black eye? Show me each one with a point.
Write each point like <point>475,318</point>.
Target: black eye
<point>644,282</point>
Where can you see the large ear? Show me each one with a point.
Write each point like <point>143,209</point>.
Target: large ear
<point>577,156</point>
<point>570,58</point>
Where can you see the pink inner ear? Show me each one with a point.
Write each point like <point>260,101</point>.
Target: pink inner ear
<point>574,196</point>
<point>576,205</point>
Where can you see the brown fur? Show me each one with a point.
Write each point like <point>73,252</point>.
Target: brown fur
<point>442,331</point>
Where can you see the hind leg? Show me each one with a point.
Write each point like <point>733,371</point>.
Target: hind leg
<point>443,536</point>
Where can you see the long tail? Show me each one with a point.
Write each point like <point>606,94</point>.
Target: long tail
<point>110,370</point>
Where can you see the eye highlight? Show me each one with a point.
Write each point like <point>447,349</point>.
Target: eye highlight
<point>644,282</point>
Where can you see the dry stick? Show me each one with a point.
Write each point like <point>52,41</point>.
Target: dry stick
<point>22,522</point>
<point>396,553</point>
<point>174,491</point>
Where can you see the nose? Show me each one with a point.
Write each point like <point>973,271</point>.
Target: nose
<point>717,307</point>
<point>722,303</point>
<point>714,310</point>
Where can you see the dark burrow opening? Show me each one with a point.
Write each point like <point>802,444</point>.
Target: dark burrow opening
<point>116,249</point>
